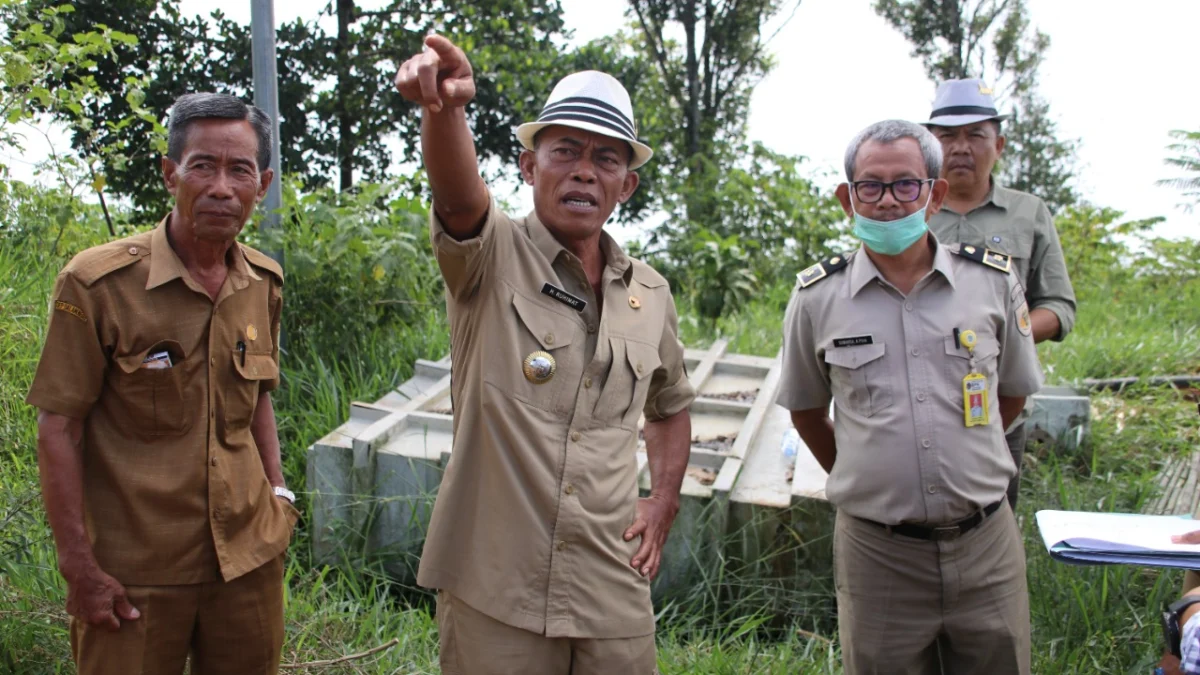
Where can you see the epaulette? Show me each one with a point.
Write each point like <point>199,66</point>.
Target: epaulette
<point>260,259</point>
<point>821,270</point>
<point>99,261</point>
<point>985,256</point>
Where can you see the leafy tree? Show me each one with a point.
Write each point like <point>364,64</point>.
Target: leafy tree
<point>47,68</point>
<point>705,82</point>
<point>1186,159</point>
<point>338,108</point>
<point>993,40</point>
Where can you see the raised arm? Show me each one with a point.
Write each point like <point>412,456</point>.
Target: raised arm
<point>440,79</point>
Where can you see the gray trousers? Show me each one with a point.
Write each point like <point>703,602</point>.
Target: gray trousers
<point>902,601</point>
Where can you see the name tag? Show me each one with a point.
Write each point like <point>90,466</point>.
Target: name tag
<point>854,341</point>
<point>564,297</point>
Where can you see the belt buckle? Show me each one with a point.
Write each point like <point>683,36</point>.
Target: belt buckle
<point>945,533</point>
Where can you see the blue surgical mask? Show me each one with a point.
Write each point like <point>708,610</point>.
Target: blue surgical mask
<point>894,236</point>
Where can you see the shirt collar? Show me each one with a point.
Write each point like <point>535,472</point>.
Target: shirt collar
<point>863,270</point>
<point>166,266</point>
<point>997,195</point>
<point>551,248</point>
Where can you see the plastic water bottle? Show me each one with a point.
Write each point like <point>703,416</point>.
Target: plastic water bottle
<point>790,444</point>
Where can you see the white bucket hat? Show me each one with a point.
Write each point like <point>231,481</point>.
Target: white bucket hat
<point>592,101</point>
<point>962,102</point>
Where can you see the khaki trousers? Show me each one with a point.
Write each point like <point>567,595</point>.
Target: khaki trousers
<point>914,607</point>
<point>229,628</point>
<point>473,643</point>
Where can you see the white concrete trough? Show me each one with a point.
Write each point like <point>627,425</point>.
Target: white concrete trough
<point>745,509</point>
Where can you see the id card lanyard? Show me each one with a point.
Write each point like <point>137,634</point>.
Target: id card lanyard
<point>975,392</point>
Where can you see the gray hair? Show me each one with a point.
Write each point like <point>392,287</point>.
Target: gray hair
<point>191,107</point>
<point>890,131</point>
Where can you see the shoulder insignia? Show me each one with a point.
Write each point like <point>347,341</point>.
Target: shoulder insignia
<point>821,270</point>
<point>99,261</point>
<point>260,259</point>
<point>985,256</point>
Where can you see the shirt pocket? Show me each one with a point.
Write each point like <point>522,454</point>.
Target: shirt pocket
<point>154,397</point>
<point>958,359</point>
<point>628,382</point>
<point>537,330</point>
<point>859,378</point>
<point>250,369</point>
<point>1016,243</point>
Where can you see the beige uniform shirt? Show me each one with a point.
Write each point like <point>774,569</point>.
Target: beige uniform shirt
<point>895,373</point>
<point>174,490</point>
<point>1017,224</point>
<point>542,482</point>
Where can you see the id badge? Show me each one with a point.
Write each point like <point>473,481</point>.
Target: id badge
<point>975,400</point>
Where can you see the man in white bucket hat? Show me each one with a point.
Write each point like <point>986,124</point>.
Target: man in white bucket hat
<point>979,211</point>
<point>541,550</point>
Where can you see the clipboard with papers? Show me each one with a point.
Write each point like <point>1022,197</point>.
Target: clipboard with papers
<point>1085,538</point>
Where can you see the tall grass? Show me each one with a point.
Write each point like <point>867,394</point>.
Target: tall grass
<point>753,610</point>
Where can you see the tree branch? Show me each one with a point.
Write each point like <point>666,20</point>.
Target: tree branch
<point>659,53</point>
<point>341,659</point>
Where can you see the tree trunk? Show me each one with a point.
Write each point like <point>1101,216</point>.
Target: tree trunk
<point>345,154</point>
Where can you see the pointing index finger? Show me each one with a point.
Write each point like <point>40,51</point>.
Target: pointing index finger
<point>444,47</point>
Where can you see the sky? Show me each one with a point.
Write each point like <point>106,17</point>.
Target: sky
<point>1118,80</point>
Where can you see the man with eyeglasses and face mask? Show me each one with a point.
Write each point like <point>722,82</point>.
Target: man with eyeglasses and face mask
<point>981,212</point>
<point>926,352</point>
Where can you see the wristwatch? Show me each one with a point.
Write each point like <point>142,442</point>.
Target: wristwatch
<point>286,494</point>
<point>1172,631</point>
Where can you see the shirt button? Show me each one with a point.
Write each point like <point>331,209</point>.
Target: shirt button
<point>562,545</point>
<point>575,436</point>
<point>932,489</point>
<point>926,443</point>
<point>921,397</point>
<point>212,360</point>
<point>916,352</point>
<point>587,383</point>
<point>549,340</point>
<point>640,369</point>
<point>133,250</point>
<point>214,461</point>
<point>591,328</point>
<point>908,306</point>
<point>570,489</point>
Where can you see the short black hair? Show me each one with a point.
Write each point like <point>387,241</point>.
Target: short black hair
<point>191,107</point>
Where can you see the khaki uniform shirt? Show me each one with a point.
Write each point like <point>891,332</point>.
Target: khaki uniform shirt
<point>174,490</point>
<point>542,482</point>
<point>1017,224</point>
<point>894,371</point>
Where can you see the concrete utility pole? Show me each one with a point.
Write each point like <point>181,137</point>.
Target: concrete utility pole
<point>266,97</point>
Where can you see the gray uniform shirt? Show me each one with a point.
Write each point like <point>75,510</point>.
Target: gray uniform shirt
<point>894,371</point>
<point>1020,225</point>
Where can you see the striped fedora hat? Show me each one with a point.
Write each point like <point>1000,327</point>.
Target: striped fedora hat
<point>962,102</point>
<point>592,101</point>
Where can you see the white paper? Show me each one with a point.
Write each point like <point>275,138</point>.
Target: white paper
<point>1116,532</point>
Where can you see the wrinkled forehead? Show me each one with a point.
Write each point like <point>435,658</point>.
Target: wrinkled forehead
<point>989,127</point>
<point>221,137</point>
<point>892,160</point>
<point>558,133</point>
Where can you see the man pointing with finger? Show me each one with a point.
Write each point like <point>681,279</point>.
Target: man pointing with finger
<point>539,546</point>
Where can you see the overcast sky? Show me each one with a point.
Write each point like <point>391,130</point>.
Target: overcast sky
<point>1118,78</point>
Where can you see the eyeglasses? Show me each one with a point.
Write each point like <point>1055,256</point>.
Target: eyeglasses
<point>904,190</point>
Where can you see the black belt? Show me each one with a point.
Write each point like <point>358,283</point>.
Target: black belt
<point>941,532</point>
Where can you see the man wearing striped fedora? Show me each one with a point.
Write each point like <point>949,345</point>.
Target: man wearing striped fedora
<point>541,550</point>
<point>981,212</point>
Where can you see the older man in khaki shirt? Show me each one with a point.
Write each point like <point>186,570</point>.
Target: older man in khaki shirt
<point>157,444</point>
<point>560,344</point>
<point>925,350</point>
<point>981,212</point>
